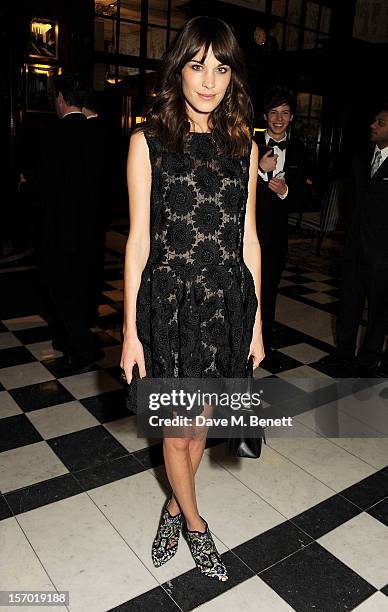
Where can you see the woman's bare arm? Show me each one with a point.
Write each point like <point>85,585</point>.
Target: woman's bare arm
<point>252,251</point>
<point>137,248</point>
<point>251,245</point>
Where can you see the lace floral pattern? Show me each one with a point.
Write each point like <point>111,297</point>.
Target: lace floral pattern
<point>166,541</point>
<point>196,303</point>
<point>206,555</point>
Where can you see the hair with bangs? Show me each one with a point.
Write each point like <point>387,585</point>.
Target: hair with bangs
<point>231,120</point>
<point>278,95</point>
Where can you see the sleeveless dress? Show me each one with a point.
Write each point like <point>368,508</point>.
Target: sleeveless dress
<point>196,303</point>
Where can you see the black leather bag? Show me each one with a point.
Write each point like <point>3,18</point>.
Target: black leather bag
<point>237,444</point>
<point>244,447</point>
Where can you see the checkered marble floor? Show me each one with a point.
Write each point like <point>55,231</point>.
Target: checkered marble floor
<point>302,528</point>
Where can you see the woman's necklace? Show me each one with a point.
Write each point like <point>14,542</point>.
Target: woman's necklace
<point>193,125</point>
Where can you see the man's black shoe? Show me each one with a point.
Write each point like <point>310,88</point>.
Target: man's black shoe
<point>60,345</point>
<point>78,365</point>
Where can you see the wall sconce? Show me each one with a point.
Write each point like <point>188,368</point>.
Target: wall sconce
<point>46,69</point>
<point>112,80</point>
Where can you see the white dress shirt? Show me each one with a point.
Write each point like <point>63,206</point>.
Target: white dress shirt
<point>71,113</point>
<point>384,154</point>
<point>279,162</point>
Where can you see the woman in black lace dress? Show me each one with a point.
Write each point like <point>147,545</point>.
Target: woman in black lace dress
<point>192,264</point>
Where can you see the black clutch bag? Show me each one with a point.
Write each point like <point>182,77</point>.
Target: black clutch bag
<point>131,395</point>
<point>237,444</point>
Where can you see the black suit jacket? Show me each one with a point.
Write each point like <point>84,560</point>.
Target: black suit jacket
<point>368,232</point>
<point>107,163</point>
<point>271,211</point>
<point>65,183</point>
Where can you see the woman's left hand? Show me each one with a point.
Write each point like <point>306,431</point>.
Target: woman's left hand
<point>256,348</point>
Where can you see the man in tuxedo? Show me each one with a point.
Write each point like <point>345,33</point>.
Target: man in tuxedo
<point>365,265</point>
<point>280,190</point>
<point>104,168</point>
<point>70,228</point>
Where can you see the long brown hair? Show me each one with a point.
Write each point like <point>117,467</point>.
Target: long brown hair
<point>230,121</point>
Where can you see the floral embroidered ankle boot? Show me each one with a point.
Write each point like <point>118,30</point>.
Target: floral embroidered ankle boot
<point>205,554</point>
<point>166,540</point>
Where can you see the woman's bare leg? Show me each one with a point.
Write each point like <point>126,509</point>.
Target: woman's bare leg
<point>181,477</point>
<point>182,458</point>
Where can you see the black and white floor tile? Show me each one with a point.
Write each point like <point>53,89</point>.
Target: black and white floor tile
<point>302,528</point>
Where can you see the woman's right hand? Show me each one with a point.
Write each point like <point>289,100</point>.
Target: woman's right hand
<point>132,353</point>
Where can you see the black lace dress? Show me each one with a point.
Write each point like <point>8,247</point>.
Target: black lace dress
<point>196,303</point>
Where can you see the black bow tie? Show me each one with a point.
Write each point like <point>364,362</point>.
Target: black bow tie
<point>281,145</point>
